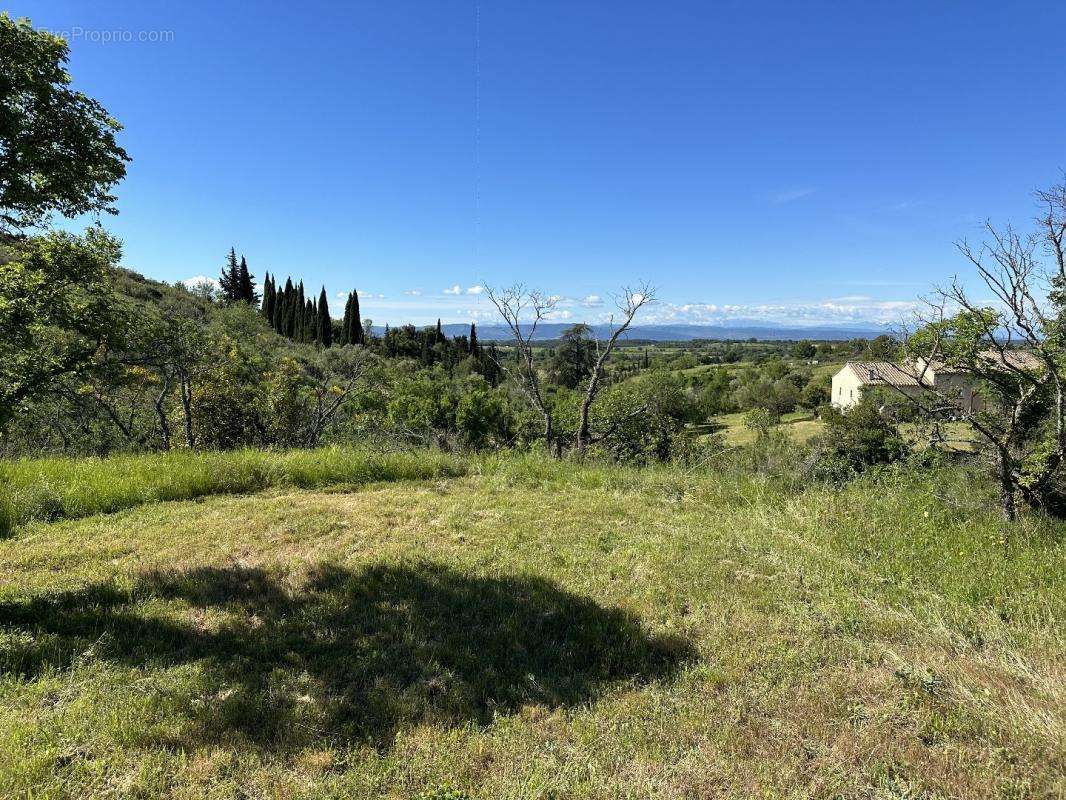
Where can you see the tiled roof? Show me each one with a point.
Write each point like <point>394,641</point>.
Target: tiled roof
<point>1020,359</point>
<point>872,373</point>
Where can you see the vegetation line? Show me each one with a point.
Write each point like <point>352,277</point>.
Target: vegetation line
<point>67,488</point>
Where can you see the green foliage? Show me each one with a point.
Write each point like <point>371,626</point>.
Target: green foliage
<point>228,395</point>
<point>572,361</point>
<point>58,312</point>
<point>815,393</point>
<point>883,348</point>
<point>856,440</point>
<point>59,149</point>
<point>761,421</point>
<point>715,394</point>
<point>463,411</point>
<point>644,419</point>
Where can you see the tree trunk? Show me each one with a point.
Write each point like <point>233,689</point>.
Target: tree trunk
<point>1007,502</point>
<point>186,407</point>
<point>161,412</point>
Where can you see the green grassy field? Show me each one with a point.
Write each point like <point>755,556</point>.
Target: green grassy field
<point>801,426</point>
<point>68,488</point>
<point>538,630</point>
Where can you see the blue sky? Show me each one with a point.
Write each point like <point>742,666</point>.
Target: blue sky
<point>797,162</point>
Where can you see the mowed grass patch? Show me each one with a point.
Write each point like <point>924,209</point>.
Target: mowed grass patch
<point>541,630</point>
<point>68,488</point>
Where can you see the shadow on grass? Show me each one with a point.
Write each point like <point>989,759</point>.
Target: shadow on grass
<point>346,656</point>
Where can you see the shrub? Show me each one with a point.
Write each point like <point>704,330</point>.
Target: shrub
<point>855,441</point>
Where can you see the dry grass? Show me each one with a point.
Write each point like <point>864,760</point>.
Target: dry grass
<point>538,630</point>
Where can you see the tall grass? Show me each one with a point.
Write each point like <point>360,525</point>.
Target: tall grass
<point>68,488</point>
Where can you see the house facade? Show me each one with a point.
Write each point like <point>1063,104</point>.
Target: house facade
<point>857,377</point>
<point>921,375</point>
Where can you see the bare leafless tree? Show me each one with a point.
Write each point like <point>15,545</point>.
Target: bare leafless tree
<point>1014,349</point>
<point>629,304</point>
<point>523,310</point>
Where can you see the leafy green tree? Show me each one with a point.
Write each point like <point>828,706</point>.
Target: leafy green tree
<point>58,152</point>
<point>715,393</point>
<point>815,393</point>
<point>883,348</point>
<point>575,356</point>
<point>58,313</point>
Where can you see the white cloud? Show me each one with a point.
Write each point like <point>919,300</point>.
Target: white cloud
<point>199,280</point>
<point>475,290</point>
<point>454,290</point>
<point>592,301</point>
<point>480,314</point>
<point>850,310</point>
<point>413,293</point>
<point>788,195</point>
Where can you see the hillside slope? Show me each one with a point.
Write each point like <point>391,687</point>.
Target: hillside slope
<point>537,630</point>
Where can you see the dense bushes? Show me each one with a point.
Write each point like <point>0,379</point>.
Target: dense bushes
<point>855,441</point>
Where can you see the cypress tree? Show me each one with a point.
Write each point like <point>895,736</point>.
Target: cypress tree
<point>230,280</point>
<point>283,309</point>
<point>473,340</point>
<point>245,285</point>
<point>440,333</point>
<point>355,335</point>
<point>289,326</point>
<point>301,313</point>
<point>325,324</point>
<point>268,297</point>
<point>346,324</point>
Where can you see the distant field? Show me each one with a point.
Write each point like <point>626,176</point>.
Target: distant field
<point>538,630</point>
<point>800,425</point>
<point>817,370</point>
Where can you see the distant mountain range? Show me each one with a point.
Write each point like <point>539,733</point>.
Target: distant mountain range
<point>740,330</point>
